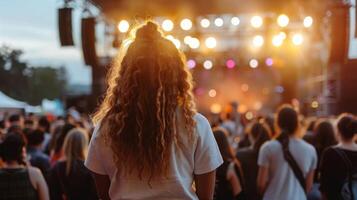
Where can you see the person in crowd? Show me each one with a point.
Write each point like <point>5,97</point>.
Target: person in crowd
<point>309,136</point>
<point>18,181</point>
<point>338,166</point>
<point>229,176</point>
<point>258,134</point>
<point>2,128</point>
<point>38,159</point>
<point>57,151</point>
<point>287,164</point>
<point>44,125</point>
<point>29,124</point>
<point>323,136</point>
<point>16,120</point>
<point>269,120</point>
<point>69,177</point>
<point>149,142</point>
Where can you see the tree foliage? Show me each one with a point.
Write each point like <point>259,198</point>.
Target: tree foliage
<point>28,83</point>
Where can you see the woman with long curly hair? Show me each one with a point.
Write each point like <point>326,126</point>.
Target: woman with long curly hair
<point>149,142</point>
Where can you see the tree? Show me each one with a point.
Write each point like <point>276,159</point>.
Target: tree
<point>29,83</point>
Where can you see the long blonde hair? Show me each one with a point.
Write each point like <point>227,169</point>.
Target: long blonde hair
<point>75,147</point>
<point>146,86</point>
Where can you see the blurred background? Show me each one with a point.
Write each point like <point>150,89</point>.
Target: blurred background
<point>255,56</point>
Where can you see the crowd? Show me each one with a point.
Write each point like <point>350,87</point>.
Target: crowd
<point>43,158</point>
<point>148,142</point>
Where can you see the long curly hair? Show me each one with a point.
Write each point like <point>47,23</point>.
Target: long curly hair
<point>147,86</point>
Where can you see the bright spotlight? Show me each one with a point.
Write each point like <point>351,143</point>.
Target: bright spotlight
<point>308,21</point>
<point>282,34</point>
<point>218,22</point>
<point>176,42</point>
<point>186,24</point>
<point>230,64</point>
<point>123,26</point>
<point>298,39</point>
<point>283,20</point>
<point>258,41</point>
<point>253,63</point>
<point>187,39</point>
<point>167,25</point>
<point>191,64</point>
<point>277,40</point>
<point>314,104</point>
<point>194,43</point>
<point>205,23</point>
<point>211,42</point>
<point>216,108</point>
<point>269,62</point>
<point>212,93</point>
<point>235,21</point>
<point>207,64</point>
<point>256,21</point>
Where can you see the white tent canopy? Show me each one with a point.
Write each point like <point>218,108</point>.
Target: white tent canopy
<point>8,102</point>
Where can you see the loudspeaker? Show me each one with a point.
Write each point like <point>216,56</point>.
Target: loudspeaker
<point>88,41</point>
<point>65,26</point>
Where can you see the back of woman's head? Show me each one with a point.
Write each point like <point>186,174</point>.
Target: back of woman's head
<point>347,126</point>
<point>324,134</point>
<point>75,147</point>
<point>260,132</point>
<point>220,135</point>
<point>138,115</point>
<point>58,144</point>
<point>287,119</point>
<point>11,148</point>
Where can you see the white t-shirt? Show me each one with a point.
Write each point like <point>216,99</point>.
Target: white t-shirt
<point>198,156</point>
<point>282,183</point>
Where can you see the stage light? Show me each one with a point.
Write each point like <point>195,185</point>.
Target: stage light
<point>123,26</point>
<point>212,93</point>
<point>269,62</point>
<point>167,25</point>
<point>211,42</point>
<point>257,105</point>
<point>191,64</point>
<point>186,24</point>
<point>205,23</point>
<point>258,41</point>
<point>207,64</point>
<point>244,87</point>
<point>230,64</point>
<point>256,21</point>
<point>242,108</point>
<point>282,34</point>
<point>218,22</point>
<point>314,104</point>
<point>187,39</point>
<point>298,39</point>
<point>283,20</point>
<point>308,21</point>
<point>176,42</point>
<point>249,115</point>
<point>279,89</point>
<point>216,108</point>
<point>277,40</point>
<point>194,43</point>
<point>235,21</point>
<point>253,63</point>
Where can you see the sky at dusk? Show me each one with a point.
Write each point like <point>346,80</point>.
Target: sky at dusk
<point>31,25</point>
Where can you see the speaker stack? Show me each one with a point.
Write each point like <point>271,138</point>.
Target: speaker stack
<point>65,26</point>
<point>88,41</point>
